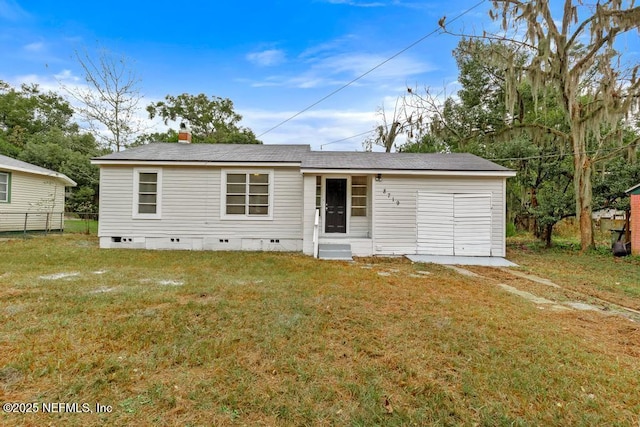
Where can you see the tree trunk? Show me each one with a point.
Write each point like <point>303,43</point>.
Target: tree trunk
<point>582,187</point>
<point>390,138</point>
<point>533,222</point>
<point>547,236</point>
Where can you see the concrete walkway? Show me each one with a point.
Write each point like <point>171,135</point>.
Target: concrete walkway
<point>462,260</point>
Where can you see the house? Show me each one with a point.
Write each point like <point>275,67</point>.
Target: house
<point>31,197</point>
<point>289,198</point>
<point>634,219</point>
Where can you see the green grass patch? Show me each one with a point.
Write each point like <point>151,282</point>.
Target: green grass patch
<point>82,226</point>
<point>239,338</point>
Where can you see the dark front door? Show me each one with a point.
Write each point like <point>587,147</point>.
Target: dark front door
<point>335,219</point>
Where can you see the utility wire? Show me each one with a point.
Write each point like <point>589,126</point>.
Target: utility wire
<point>566,154</point>
<point>344,139</point>
<point>420,40</point>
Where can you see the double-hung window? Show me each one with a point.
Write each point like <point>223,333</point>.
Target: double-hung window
<point>147,193</point>
<point>5,182</point>
<point>359,196</point>
<point>247,195</point>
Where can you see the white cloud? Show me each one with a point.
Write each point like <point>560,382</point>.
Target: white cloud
<point>384,3</point>
<point>66,75</point>
<point>327,129</point>
<point>329,46</point>
<point>267,58</point>
<point>35,47</point>
<point>44,82</point>
<point>11,11</point>
<point>358,3</point>
<point>336,70</point>
<point>357,64</point>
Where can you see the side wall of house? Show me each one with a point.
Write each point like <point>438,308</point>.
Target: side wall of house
<point>38,196</point>
<point>191,212</point>
<point>394,201</point>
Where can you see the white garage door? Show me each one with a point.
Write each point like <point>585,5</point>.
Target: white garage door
<point>454,224</point>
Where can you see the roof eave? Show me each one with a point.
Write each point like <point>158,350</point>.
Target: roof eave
<point>635,187</point>
<point>57,175</point>
<point>103,162</point>
<point>431,172</point>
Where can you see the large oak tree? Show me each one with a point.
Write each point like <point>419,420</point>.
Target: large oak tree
<point>212,120</point>
<point>597,91</point>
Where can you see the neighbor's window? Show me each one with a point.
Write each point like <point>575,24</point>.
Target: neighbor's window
<point>147,184</point>
<point>4,187</point>
<point>359,196</point>
<point>247,194</point>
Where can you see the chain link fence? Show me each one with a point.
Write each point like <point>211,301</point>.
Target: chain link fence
<point>12,223</point>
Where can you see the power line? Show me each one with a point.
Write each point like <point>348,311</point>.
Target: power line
<point>566,154</point>
<point>344,139</point>
<point>420,40</point>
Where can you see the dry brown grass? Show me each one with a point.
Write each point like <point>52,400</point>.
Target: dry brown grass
<point>201,338</point>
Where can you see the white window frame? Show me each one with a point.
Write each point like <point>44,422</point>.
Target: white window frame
<point>136,193</point>
<point>7,198</point>
<point>246,216</point>
<point>366,186</point>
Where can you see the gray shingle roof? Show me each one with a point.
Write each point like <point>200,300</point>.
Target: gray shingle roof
<point>398,161</point>
<point>10,163</point>
<point>175,152</point>
<point>302,155</point>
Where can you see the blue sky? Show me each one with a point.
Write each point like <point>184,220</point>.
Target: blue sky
<point>271,58</point>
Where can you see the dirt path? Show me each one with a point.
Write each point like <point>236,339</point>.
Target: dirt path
<point>545,293</point>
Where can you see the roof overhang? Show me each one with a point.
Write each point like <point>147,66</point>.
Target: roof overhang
<point>192,163</point>
<point>633,190</point>
<point>68,182</point>
<point>419,172</point>
<point>506,174</point>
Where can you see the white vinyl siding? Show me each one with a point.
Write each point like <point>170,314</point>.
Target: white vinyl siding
<point>39,196</point>
<point>191,206</point>
<point>147,191</point>
<point>395,204</point>
<point>309,188</point>
<point>5,182</point>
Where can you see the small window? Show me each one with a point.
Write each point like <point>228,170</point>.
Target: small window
<point>248,194</point>
<point>147,193</point>
<point>5,180</point>
<point>359,196</point>
<point>319,193</point>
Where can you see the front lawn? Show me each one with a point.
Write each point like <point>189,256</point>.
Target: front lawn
<point>234,338</point>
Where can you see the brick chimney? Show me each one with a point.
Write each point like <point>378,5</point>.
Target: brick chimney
<point>184,134</point>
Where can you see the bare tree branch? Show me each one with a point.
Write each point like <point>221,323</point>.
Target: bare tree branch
<point>109,100</point>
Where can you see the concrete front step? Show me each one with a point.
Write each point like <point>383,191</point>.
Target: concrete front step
<point>335,251</point>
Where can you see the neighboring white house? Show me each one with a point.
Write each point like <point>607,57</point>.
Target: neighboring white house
<point>265,197</point>
<point>31,197</point>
